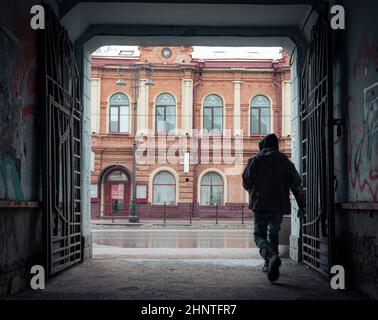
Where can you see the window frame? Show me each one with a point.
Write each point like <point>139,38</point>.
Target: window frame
<point>163,184</point>
<point>259,108</point>
<point>222,185</point>
<point>212,117</point>
<point>118,107</point>
<point>165,107</point>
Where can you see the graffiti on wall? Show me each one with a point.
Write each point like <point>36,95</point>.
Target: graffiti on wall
<point>362,157</point>
<point>362,123</point>
<point>366,58</point>
<point>17,106</point>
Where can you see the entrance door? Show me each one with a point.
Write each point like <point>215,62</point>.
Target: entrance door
<point>317,147</point>
<point>117,194</point>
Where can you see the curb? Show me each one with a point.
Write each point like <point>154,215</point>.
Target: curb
<point>118,224</point>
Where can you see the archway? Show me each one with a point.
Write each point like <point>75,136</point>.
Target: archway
<point>116,192</point>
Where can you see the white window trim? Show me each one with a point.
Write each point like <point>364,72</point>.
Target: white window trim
<point>152,178</point>
<point>107,119</point>
<point>224,178</point>
<point>154,112</point>
<point>224,112</point>
<point>271,124</point>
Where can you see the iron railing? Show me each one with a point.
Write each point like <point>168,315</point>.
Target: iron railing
<point>165,213</point>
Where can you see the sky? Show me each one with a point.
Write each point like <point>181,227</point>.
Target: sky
<point>202,52</point>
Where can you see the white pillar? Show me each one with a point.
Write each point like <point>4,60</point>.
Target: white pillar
<point>142,110</point>
<point>286,108</point>
<point>237,113</point>
<point>95,104</point>
<point>187,106</point>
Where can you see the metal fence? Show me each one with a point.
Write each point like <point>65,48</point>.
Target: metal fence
<point>189,212</point>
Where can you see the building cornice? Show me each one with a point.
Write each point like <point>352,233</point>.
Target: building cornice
<point>208,70</point>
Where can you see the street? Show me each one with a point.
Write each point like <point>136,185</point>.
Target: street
<point>174,241</point>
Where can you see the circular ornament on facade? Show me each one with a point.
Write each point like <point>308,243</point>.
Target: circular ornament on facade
<point>166,53</point>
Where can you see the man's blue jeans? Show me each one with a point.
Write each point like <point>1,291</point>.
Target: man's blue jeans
<point>267,226</point>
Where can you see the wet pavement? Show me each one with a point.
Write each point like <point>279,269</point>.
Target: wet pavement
<point>173,238</point>
<point>153,241</point>
<point>181,262</point>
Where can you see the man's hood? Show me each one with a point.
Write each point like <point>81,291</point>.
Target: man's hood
<point>269,142</point>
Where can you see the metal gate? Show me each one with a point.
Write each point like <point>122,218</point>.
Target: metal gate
<point>317,147</point>
<point>62,114</point>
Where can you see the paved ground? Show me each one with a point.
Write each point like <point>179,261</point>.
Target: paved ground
<point>202,261</point>
<point>177,279</point>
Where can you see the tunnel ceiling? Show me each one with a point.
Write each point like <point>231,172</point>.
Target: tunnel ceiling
<point>267,20</point>
<point>66,5</point>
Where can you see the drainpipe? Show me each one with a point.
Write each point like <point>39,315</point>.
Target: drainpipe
<point>100,183</point>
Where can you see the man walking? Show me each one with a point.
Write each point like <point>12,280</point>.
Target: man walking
<point>268,177</point>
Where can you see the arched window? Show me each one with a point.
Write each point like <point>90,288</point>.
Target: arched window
<point>211,189</point>
<point>119,106</point>
<point>164,188</point>
<point>260,115</point>
<point>165,113</point>
<point>213,113</point>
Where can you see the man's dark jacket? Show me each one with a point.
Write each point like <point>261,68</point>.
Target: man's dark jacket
<point>269,176</point>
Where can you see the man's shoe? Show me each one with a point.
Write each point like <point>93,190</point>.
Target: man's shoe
<point>266,265</point>
<point>274,268</point>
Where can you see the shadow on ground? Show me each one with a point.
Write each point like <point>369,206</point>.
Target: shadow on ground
<point>234,279</point>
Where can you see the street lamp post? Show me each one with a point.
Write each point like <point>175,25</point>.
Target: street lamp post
<point>135,69</point>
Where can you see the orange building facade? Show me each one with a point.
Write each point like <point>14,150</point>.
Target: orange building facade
<point>195,129</point>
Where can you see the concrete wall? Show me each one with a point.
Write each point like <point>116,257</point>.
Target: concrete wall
<point>20,224</point>
<point>357,248</point>
<point>356,150</point>
<point>20,247</point>
<point>18,103</point>
<point>86,157</point>
<point>295,154</point>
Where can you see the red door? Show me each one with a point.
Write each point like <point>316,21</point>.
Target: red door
<point>117,194</point>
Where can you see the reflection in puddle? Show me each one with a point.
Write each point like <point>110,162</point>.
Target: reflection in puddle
<point>179,239</point>
<point>218,262</point>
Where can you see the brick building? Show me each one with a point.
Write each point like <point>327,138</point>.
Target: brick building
<point>195,129</point>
